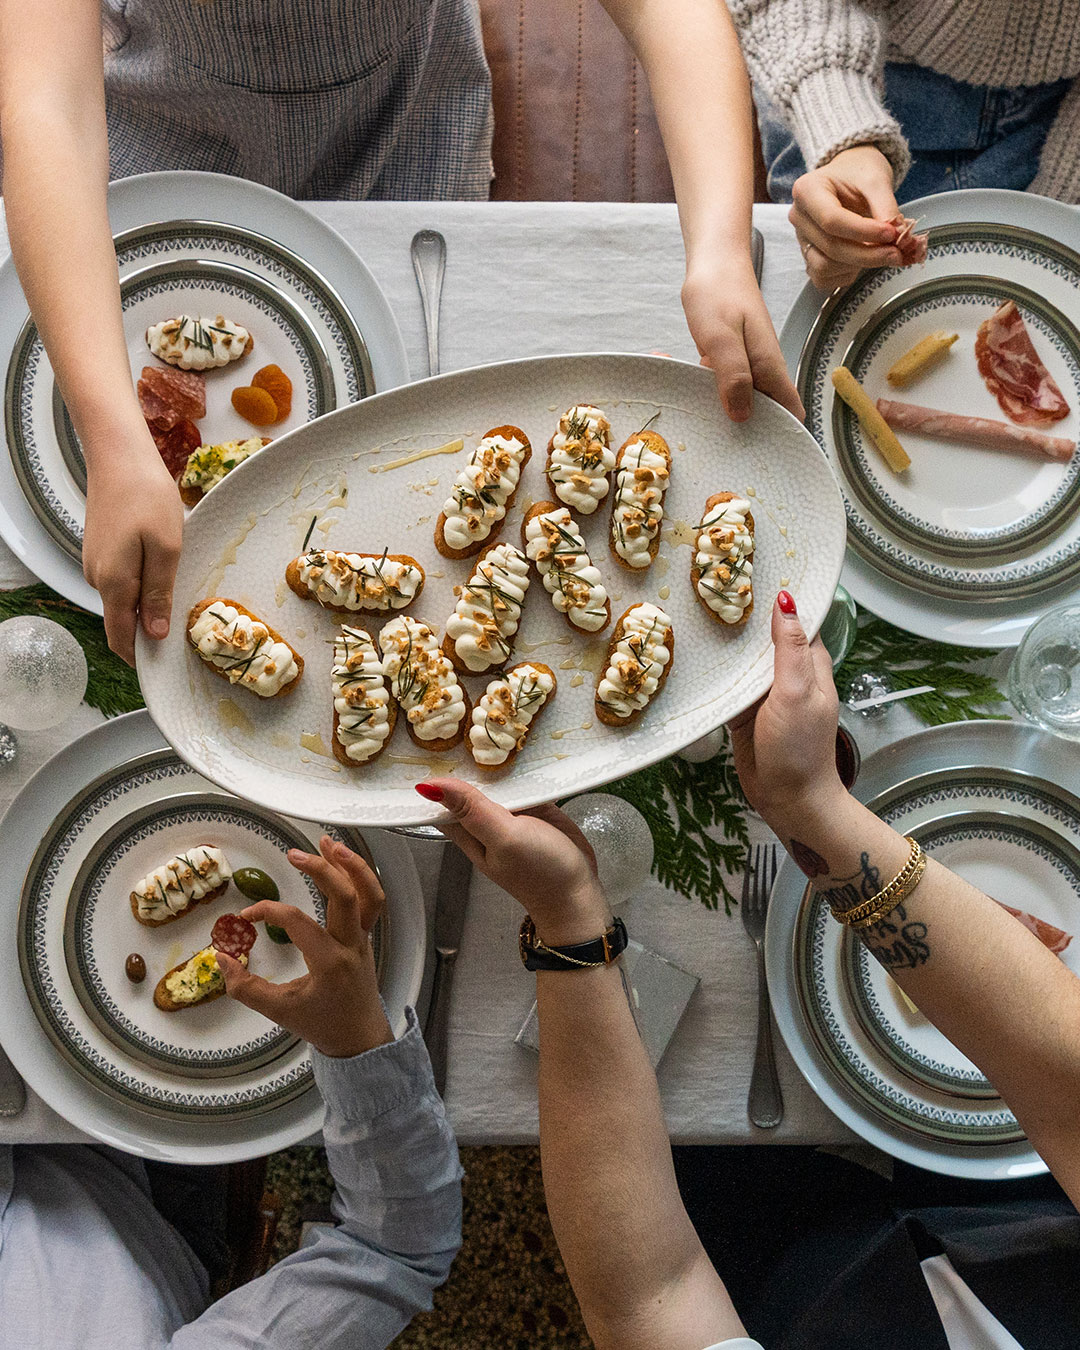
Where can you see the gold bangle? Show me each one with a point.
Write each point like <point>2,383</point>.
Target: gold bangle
<point>869,912</point>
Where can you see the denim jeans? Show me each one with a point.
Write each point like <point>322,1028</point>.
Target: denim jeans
<point>960,135</point>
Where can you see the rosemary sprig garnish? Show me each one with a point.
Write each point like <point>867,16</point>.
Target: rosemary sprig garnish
<point>648,424</point>
<point>307,537</point>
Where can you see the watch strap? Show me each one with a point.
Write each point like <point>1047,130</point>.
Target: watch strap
<point>598,951</point>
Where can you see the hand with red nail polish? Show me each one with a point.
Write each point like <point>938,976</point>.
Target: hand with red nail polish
<point>785,747</point>
<point>431,791</point>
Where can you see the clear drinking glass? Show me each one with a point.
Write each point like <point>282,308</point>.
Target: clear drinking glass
<point>840,626</point>
<point>1044,678</point>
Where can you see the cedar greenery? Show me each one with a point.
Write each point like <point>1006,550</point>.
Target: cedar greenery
<point>112,686</point>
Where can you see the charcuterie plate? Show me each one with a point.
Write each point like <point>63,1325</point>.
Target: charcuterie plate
<point>870,1054</point>
<point>969,543</point>
<point>214,1081</point>
<point>375,476</point>
<point>203,244</point>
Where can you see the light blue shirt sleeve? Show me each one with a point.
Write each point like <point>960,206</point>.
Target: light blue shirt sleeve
<point>398,1202</point>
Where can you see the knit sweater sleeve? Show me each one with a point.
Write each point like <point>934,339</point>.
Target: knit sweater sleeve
<point>1059,164</point>
<point>820,62</point>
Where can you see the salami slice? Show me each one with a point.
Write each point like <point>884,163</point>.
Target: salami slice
<point>157,412</point>
<point>1053,938</point>
<point>184,391</point>
<point>175,445</point>
<point>233,935</point>
<point>1010,365</point>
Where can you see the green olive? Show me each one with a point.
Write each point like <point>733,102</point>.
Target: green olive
<point>278,935</point>
<point>255,884</point>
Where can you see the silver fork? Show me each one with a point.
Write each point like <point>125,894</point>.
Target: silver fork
<point>765,1105</point>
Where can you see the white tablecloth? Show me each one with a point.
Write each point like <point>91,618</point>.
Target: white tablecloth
<point>522,280</point>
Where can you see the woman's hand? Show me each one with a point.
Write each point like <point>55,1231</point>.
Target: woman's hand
<point>785,747</point>
<point>336,1005</point>
<point>539,856</point>
<point>729,323</point>
<point>845,216</point>
<point>131,544</point>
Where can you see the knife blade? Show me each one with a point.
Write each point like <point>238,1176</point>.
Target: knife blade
<point>757,252</point>
<point>451,900</point>
<point>12,1088</point>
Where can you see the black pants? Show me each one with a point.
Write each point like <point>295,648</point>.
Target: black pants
<point>819,1252</point>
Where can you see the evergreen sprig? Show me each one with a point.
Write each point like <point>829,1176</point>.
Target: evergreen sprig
<point>682,803</point>
<point>960,694</point>
<point>112,686</point>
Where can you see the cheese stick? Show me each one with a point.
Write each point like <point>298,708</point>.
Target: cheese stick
<point>862,405</point>
<point>926,352</point>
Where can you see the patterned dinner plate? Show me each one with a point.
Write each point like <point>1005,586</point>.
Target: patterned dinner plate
<point>189,267</point>
<point>76,928</point>
<point>969,544</point>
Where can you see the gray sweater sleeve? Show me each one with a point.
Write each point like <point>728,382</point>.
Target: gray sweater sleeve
<point>820,62</point>
<point>1059,164</point>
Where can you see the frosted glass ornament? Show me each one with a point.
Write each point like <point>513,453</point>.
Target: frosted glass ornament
<point>620,839</point>
<point>697,752</point>
<point>42,673</point>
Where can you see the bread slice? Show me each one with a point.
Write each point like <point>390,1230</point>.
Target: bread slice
<point>659,446</point>
<point>178,914</point>
<point>541,509</point>
<point>718,499</point>
<point>546,670</point>
<point>603,713</point>
<point>295,583</point>
<point>274,634</point>
<point>506,433</point>
<point>192,496</point>
<point>165,1001</point>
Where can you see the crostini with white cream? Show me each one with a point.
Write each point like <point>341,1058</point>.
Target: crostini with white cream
<point>642,475</point>
<point>346,583</point>
<point>192,878</point>
<point>638,664</point>
<point>555,544</point>
<point>480,632</point>
<point>364,712</point>
<point>194,343</point>
<point>506,712</point>
<point>241,648</point>
<point>722,570</point>
<point>425,684</point>
<point>580,458</point>
<point>484,490</point>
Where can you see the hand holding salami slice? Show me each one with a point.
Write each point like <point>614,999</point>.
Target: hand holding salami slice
<point>233,935</point>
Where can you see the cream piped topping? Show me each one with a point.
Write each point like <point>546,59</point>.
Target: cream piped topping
<point>197,343</point>
<point>361,700</point>
<point>243,649</point>
<point>554,542</point>
<point>181,881</point>
<point>477,501</point>
<point>581,458</point>
<point>369,581</point>
<point>501,720</point>
<point>488,610</point>
<point>640,484</point>
<point>637,663</point>
<point>422,679</point>
<point>724,546</point>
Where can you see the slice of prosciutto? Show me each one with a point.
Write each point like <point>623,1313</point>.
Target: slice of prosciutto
<point>1010,365</point>
<point>982,431</point>
<point>1053,938</point>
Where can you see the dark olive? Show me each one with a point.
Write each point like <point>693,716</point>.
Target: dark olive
<point>135,968</point>
<point>278,935</point>
<point>255,884</point>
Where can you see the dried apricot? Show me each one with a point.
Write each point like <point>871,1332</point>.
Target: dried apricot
<point>255,405</point>
<point>278,385</point>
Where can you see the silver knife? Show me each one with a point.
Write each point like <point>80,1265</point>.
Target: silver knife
<point>12,1088</point>
<point>451,899</point>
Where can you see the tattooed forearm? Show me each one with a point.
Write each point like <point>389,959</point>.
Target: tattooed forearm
<point>898,942</point>
<point>841,892</point>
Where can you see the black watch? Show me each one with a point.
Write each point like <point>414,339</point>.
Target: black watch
<point>599,951</point>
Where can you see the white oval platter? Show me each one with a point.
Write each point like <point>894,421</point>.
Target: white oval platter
<point>354,473</point>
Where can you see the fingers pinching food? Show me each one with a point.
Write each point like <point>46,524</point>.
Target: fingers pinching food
<point>642,475</point>
<point>556,545</point>
<point>195,343</point>
<point>480,632</point>
<point>174,889</point>
<point>348,582</point>
<point>364,713</point>
<point>722,570</point>
<point>506,712</point>
<point>199,979</point>
<point>580,458</point>
<point>637,667</point>
<point>424,683</point>
<point>484,490</point>
<point>242,649</point>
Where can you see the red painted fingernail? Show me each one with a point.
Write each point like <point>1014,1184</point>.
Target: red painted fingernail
<point>786,601</point>
<point>430,791</point>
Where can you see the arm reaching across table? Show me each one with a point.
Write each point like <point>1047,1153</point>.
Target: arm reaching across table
<point>699,85</point>
<point>979,975</point>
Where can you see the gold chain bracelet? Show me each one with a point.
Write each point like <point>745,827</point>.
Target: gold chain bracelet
<point>878,907</point>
